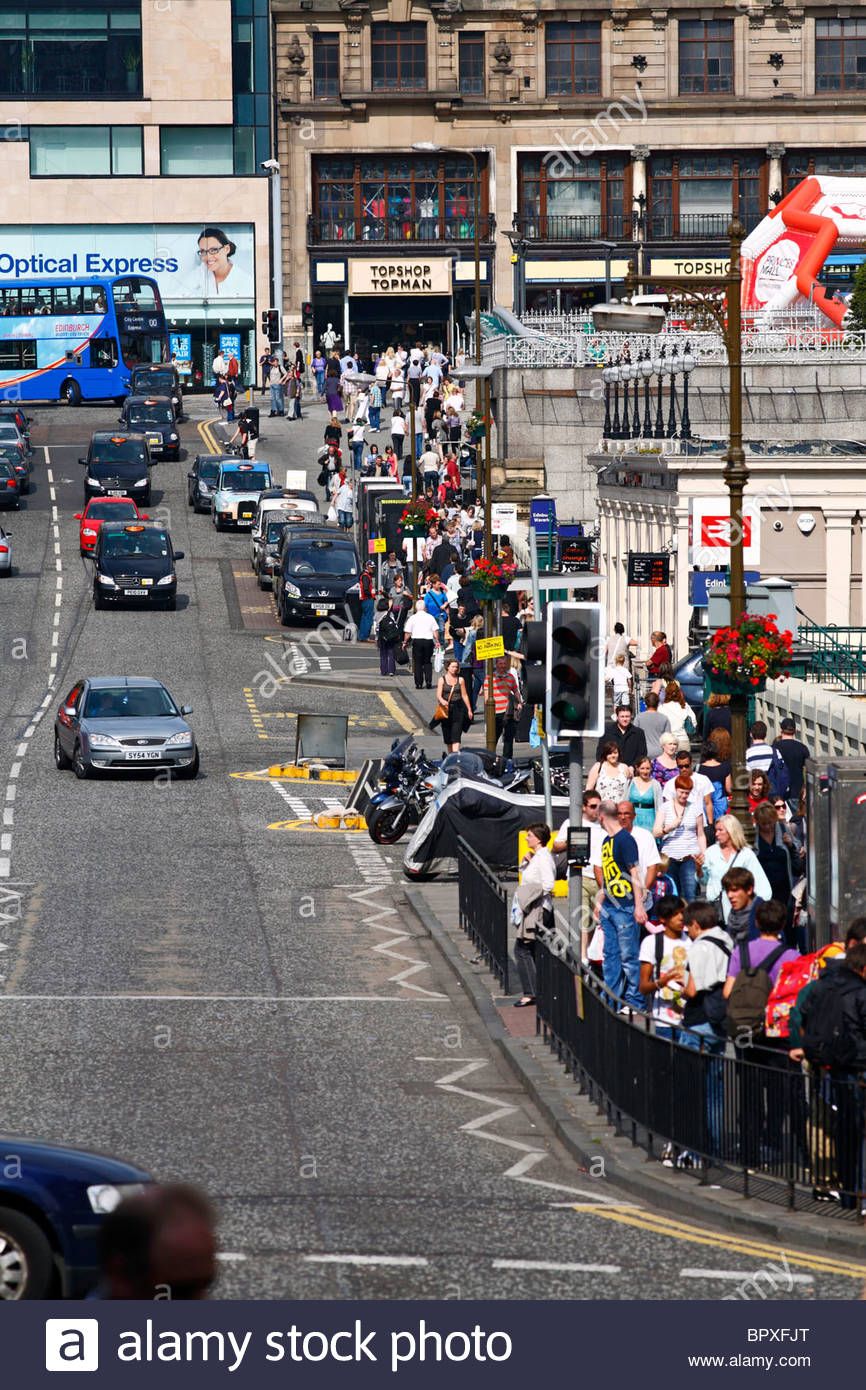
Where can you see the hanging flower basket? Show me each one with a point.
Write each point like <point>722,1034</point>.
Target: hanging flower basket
<point>490,580</point>
<point>416,518</point>
<point>739,660</point>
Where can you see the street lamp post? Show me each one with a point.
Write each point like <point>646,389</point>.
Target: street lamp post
<point>728,317</point>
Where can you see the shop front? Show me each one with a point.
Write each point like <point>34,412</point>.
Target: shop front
<point>205,273</point>
<point>555,285</point>
<point>374,304</point>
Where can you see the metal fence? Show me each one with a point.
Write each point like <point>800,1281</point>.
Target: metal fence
<point>760,347</point>
<point>754,1119</point>
<point>483,910</point>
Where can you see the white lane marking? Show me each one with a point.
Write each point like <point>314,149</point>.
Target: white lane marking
<point>58,565</point>
<point>5,867</point>
<point>5,841</point>
<point>56,547</point>
<point>21,749</point>
<point>231,1256</point>
<point>49,473</point>
<point>556,1266</point>
<point>53,661</point>
<point>57,618</point>
<point>219,999</point>
<point>46,702</point>
<point>52,492</point>
<point>54,514</point>
<point>55,637</point>
<point>60,581</point>
<point>740,1274</point>
<point>31,729</point>
<point>300,808</point>
<point>14,771</point>
<point>56,529</point>
<point>402,1260</point>
<point>58,599</point>
<point>8,816</point>
<point>11,793</point>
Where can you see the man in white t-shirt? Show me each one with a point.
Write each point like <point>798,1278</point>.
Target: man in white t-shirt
<point>589,889</point>
<point>701,794</point>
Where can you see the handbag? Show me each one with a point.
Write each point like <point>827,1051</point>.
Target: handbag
<point>438,660</point>
<point>401,656</point>
<point>332,513</point>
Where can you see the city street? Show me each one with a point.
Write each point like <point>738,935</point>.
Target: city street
<point>191,984</point>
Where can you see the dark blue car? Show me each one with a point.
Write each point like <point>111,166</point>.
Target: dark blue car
<point>53,1200</point>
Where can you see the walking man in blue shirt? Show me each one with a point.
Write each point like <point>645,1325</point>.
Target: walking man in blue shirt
<point>622,910</point>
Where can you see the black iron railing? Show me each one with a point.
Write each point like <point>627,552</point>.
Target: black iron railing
<point>483,910</point>
<point>395,231</point>
<point>576,227</point>
<point>783,1132</point>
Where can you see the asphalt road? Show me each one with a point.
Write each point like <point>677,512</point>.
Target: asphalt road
<point>187,983</point>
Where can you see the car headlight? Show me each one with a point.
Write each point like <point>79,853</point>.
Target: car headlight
<point>140,482</point>
<point>166,579</point>
<point>185,737</point>
<point>93,482</point>
<point>104,1197</point>
<point>103,741</point>
<point>172,436</point>
<point>204,487</point>
<point>292,590</point>
<point>354,589</point>
<point>86,531</point>
<point>106,579</point>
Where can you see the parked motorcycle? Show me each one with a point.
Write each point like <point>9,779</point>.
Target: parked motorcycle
<point>412,780</point>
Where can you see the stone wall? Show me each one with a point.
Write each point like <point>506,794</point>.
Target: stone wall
<point>557,414</point>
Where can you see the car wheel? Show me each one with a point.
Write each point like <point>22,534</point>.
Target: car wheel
<point>26,1263</point>
<point>70,392</point>
<point>171,603</point>
<point>263,583</point>
<point>189,774</point>
<point>284,617</point>
<point>61,759</point>
<point>98,600</point>
<point>80,766</point>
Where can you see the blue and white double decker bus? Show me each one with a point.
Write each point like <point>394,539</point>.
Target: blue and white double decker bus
<point>76,339</point>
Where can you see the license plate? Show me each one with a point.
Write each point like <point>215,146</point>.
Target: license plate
<point>324,611</point>
<point>245,516</point>
<point>116,492</point>
<point>146,755</point>
<point>135,593</point>
<point>154,439</point>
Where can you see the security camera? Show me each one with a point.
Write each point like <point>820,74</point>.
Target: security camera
<point>778,525</point>
<point>271,164</point>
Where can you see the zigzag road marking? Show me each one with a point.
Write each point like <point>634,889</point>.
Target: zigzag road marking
<point>397,936</point>
<point>531,1155</point>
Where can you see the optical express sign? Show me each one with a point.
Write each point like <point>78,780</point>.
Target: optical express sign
<point>400,277</point>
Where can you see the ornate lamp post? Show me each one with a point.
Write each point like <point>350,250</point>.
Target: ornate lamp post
<point>605,376</point>
<point>659,366</point>
<point>687,368</point>
<point>647,367</point>
<point>673,368</point>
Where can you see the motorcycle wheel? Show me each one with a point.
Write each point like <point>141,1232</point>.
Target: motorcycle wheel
<point>388,824</point>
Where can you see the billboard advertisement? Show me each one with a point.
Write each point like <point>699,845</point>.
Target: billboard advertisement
<point>191,262</point>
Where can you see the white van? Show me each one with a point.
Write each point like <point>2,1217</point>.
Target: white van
<point>291,501</point>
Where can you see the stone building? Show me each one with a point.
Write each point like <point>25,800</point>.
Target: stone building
<point>600,132</point>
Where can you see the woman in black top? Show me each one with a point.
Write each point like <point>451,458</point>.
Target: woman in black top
<point>451,693</point>
<point>333,431</point>
<point>718,714</point>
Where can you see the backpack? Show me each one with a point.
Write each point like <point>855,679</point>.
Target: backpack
<point>720,800</point>
<point>252,431</point>
<point>830,1035</point>
<point>793,977</point>
<point>778,775</point>
<point>389,631</point>
<point>747,1001</point>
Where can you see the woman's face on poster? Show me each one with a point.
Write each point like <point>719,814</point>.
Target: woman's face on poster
<point>214,257</point>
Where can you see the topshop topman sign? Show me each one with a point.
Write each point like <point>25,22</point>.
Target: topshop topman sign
<point>400,277</point>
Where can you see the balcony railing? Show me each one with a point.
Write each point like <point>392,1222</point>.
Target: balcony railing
<point>687,226</point>
<point>392,231</point>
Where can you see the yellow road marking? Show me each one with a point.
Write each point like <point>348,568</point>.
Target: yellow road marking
<point>319,829</point>
<point>662,1226</point>
<point>210,443</point>
<point>256,717</point>
<point>395,711</point>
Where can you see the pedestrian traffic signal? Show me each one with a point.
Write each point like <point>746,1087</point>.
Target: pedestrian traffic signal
<point>271,326</point>
<point>306,314</point>
<point>575,670</point>
<point>533,646</point>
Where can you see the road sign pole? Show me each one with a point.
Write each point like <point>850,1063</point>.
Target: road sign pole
<point>575,816</point>
<point>536,605</point>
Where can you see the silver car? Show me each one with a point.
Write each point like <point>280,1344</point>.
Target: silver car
<point>5,552</point>
<point>121,724</point>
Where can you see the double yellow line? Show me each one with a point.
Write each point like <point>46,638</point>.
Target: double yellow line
<point>696,1235</point>
<point>206,433</point>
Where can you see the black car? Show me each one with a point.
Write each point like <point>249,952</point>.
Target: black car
<point>11,410</point>
<point>10,453</point>
<point>318,574</point>
<point>157,379</point>
<point>155,417</point>
<point>201,479</point>
<point>134,563</point>
<point>118,465</point>
<point>10,485</point>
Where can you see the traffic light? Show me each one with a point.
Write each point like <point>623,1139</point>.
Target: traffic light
<point>271,325</point>
<point>533,645</point>
<point>306,314</point>
<point>575,670</point>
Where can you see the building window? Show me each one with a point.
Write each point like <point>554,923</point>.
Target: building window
<point>326,65</point>
<point>57,50</point>
<point>799,164</point>
<point>399,53</point>
<point>840,55</point>
<point>76,151</point>
<point>471,64</point>
<point>397,199</point>
<point>586,202</point>
<point>251,84</point>
<point>573,58</point>
<point>706,56</point>
<point>196,150</point>
<point>695,196</point>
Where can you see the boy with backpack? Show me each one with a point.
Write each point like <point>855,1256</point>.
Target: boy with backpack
<point>663,956</point>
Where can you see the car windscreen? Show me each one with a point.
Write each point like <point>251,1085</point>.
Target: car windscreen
<point>9,431</point>
<point>150,415</point>
<point>10,452</point>
<point>7,470</point>
<point>321,558</point>
<point>136,702</point>
<point>111,511</point>
<point>253,481</point>
<point>275,531</point>
<point>160,383</point>
<point>118,451</point>
<point>133,544</point>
